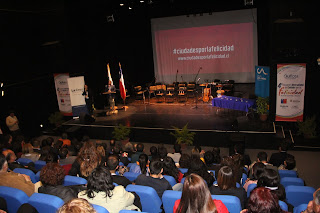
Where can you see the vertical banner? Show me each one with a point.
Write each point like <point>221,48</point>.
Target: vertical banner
<point>290,92</point>
<point>262,81</point>
<point>62,91</point>
<point>76,88</point>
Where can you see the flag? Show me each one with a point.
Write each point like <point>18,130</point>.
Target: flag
<point>109,74</point>
<point>121,84</point>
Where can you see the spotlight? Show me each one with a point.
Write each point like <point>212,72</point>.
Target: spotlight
<point>41,125</point>
<point>141,1</point>
<point>121,4</point>
<point>130,8</point>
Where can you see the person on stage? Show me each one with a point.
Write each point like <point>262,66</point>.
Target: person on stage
<point>110,88</point>
<point>87,93</point>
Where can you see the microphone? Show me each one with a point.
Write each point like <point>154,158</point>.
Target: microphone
<point>198,80</point>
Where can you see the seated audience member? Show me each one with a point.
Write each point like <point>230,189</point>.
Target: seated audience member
<point>184,161</point>
<point>113,165</point>
<point>17,144</point>
<point>230,162</point>
<point>36,145</point>
<point>239,149</point>
<point>176,154</point>
<point>263,200</point>
<point>162,151</point>
<point>153,153</point>
<point>141,165</point>
<point>238,162</point>
<point>101,191</point>
<point>140,150</point>
<point>15,180</point>
<point>88,159</point>
<point>52,177</point>
<point>52,158</point>
<point>65,140</point>
<point>198,167</point>
<point>77,205</point>
<point>112,145</point>
<point>279,157</point>
<point>256,171</point>
<point>314,205</point>
<point>263,157</point>
<point>128,148</point>
<point>216,153</point>
<point>57,146</point>
<point>27,152</point>
<point>209,161</point>
<point>196,197</point>
<point>65,158</point>
<point>7,141</point>
<point>226,185</point>
<point>155,180</point>
<point>289,164</point>
<point>12,163</point>
<point>170,168</point>
<point>102,153</point>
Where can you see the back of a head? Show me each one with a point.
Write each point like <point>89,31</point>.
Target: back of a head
<point>196,196</point>
<point>140,147</point>
<point>77,205</point>
<point>208,157</point>
<point>284,145</point>
<point>155,167</point>
<point>100,180</point>
<point>2,160</point>
<point>101,150</point>
<point>35,143</point>
<point>153,150</point>
<point>162,151</point>
<point>63,153</point>
<point>257,170</point>
<point>316,200</point>
<point>64,136</point>
<point>52,174</point>
<point>290,163</point>
<point>112,162</point>
<point>50,141</point>
<point>263,200</point>
<point>184,161</point>
<point>269,178</point>
<point>51,158</point>
<point>27,148</point>
<point>239,148</point>
<point>262,156</point>
<point>177,148</point>
<point>226,179</point>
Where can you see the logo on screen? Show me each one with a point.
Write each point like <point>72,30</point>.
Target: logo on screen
<point>283,101</point>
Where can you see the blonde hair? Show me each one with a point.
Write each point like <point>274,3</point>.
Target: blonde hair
<point>27,148</point>
<point>77,205</point>
<point>101,150</point>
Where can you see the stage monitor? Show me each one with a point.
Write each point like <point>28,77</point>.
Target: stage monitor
<point>218,46</point>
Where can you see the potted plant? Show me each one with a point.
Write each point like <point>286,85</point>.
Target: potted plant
<point>56,119</point>
<point>183,136</point>
<point>263,107</point>
<point>121,133</point>
<point>308,127</point>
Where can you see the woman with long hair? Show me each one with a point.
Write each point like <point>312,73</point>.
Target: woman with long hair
<point>198,167</point>
<point>141,165</point>
<point>170,168</point>
<point>196,197</point>
<point>87,160</point>
<point>256,171</point>
<point>101,191</point>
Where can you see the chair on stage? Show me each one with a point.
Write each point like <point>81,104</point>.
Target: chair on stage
<point>170,94</point>
<point>152,91</point>
<point>228,87</point>
<point>160,92</point>
<point>139,93</point>
<point>182,89</point>
<point>191,89</point>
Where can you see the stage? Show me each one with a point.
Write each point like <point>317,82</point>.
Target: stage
<point>152,121</point>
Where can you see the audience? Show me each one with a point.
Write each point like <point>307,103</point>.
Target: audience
<point>170,168</point>
<point>77,205</point>
<point>263,200</point>
<point>198,167</point>
<point>289,164</point>
<point>196,197</point>
<point>153,153</point>
<point>12,163</point>
<point>256,171</point>
<point>52,178</point>
<point>176,154</point>
<point>278,158</point>
<point>263,157</point>
<point>101,191</point>
<point>140,150</point>
<point>184,161</point>
<point>113,165</point>
<point>65,158</point>
<point>141,165</point>
<point>162,151</point>
<point>27,152</point>
<point>240,149</point>
<point>226,185</point>
<point>65,140</point>
<point>155,179</point>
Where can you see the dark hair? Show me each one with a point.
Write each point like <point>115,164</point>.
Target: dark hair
<point>198,167</point>
<point>49,141</point>
<point>155,167</point>
<point>226,179</point>
<point>216,154</point>
<point>257,169</point>
<point>208,157</point>
<point>262,156</point>
<point>112,162</point>
<point>284,145</point>
<point>196,196</point>
<point>290,162</point>
<point>63,153</point>
<point>197,147</point>
<point>154,151</point>
<point>140,147</point>
<point>143,162</point>
<point>52,174</point>
<point>35,142</point>
<point>58,144</point>
<point>177,148</point>
<point>184,161</point>
<point>100,180</point>
<point>263,200</point>
<point>270,178</point>
<point>239,148</point>
<point>170,168</point>
<point>162,151</point>
<point>52,158</point>
<point>2,160</point>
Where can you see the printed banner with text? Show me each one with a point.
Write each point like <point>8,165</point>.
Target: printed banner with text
<point>290,92</point>
<point>262,81</point>
<point>78,103</point>
<point>63,95</point>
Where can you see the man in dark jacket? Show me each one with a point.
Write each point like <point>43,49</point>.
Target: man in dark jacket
<point>278,158</point>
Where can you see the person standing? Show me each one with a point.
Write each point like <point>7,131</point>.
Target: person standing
<point>12,123</point>
<point>111,89</point>
<point>87,93</point>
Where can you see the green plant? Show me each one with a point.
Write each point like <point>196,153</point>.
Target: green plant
<point>183,136</point>
<point>56,118</point>
<point>121,132</point>
<point>262,105</point>
<point>307,127</point>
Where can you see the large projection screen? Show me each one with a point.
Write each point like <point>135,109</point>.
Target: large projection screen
<point>218,46</point>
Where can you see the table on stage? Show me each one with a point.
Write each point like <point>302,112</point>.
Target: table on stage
<point>229,102</point>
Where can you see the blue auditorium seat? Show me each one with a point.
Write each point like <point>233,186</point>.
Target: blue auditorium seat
<point>26,172</point>
<point>39,164</point>
<point>38,176</point>
<point>131,175</point>
<point>250,188</point>
<point>149,198</point>
<point>73,180</point>
<point>289,181</point>
<point>170,179</point>
<point>169,197</point>
<point>283,205</point>
<point>297,195</point>
<point>183,170</point>
<point>14,198</point>
<point>300,208</point>
<point>243,179</point>
<point>130,211</point>
<point>45,202</point>
<point>24,161</point>
<point>100,209</point>
<point>287,173</point>
<point>232,203</point>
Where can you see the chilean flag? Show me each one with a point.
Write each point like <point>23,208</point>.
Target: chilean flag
<point>121,84</point>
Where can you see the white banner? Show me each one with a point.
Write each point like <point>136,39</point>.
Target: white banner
<point>62,91</point>
<point>290,92</point>
<point>76,87</point>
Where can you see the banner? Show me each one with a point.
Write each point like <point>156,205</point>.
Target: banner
<point>262,81</point>
<point>290,92</point>
<point>76,88</point>
<point>62,91</point>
